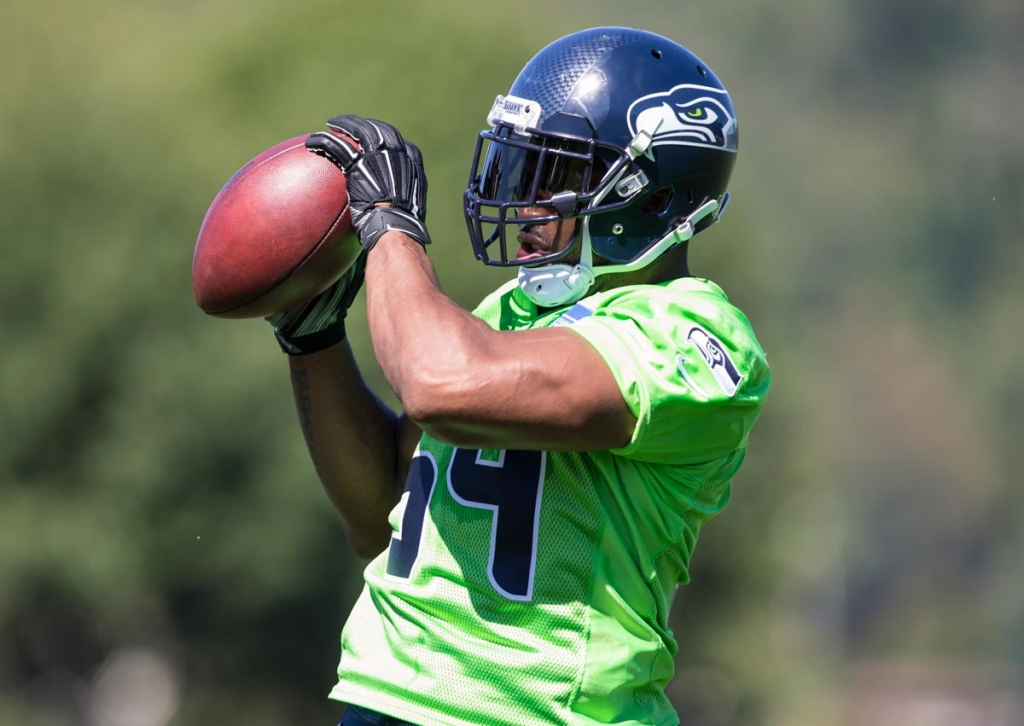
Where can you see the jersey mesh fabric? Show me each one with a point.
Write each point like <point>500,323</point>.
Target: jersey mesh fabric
<point>534,588</point>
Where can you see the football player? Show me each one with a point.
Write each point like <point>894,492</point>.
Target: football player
<point>534,507</point>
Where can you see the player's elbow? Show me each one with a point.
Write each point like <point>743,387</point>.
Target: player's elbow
<point>441,404</point>
<point>424,402</point>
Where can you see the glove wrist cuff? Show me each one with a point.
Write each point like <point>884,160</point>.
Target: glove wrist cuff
<point>311,342</point>
<point>385,219</point>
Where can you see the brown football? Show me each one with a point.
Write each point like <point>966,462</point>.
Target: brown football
<point>276,235</point>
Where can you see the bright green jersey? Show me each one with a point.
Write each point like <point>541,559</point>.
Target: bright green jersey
<point>531,587</point>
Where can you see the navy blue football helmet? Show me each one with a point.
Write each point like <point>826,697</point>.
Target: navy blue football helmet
<point>624,133</point>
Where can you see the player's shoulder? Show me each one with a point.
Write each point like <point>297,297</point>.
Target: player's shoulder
<point>687,362</point>
<point>688,318</point>
<point>674,304</point>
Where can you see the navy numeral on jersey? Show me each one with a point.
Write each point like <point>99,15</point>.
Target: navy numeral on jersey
<point>419,488</point>
<point>510,486</point>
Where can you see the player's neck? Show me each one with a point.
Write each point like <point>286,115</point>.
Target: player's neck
<point>670,266</point>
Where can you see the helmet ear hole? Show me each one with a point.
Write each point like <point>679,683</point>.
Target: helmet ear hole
<point>658,202</point>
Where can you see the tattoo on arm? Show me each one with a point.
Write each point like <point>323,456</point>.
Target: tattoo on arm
<point>304,404</point>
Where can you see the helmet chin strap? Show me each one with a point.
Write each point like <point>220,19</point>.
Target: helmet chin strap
<point>554,285</point>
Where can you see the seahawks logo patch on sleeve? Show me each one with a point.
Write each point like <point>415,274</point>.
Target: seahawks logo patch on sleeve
<point>715,358</point>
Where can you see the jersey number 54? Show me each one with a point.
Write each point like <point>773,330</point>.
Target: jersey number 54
<point>509,483</point>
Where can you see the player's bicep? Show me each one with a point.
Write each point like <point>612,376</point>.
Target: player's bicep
<point>546,389</point>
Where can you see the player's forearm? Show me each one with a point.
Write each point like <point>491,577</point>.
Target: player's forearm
<point>353,442</point>
<point>450,369</point>
<point>425,343</point>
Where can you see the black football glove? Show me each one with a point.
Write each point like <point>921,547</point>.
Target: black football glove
<point>319,323</point>
<point>388,170</point>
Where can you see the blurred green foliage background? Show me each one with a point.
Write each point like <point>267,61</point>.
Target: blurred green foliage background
<point>166,554</point>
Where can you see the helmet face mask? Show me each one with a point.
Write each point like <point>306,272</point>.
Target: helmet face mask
<point>595,127</point>
<point>567,176</point>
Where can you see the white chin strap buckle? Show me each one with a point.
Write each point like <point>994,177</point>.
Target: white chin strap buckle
<point>554,285</point>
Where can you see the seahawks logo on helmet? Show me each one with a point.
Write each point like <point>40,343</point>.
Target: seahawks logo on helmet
<point>688,115</point>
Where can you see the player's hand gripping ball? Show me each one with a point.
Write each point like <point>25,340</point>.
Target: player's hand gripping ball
<point>386,182</point>
<point>278,234</point>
